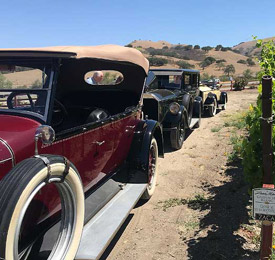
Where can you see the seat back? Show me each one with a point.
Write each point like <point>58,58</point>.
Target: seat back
<point>96,115</point>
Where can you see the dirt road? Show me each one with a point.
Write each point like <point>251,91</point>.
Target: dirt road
<point>200,204</point>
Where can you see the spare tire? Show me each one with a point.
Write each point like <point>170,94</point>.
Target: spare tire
<point>18,189</point>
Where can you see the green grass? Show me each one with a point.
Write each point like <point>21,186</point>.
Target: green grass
<point>194,203</point>
<point>172,202</point>
<point>236,141</point>
<point>237,120</point>
<point>216,129</point>
<point>191,225</point>
<point>198,201</point>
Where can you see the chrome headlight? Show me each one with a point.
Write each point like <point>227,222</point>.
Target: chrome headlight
<point>174,108</point>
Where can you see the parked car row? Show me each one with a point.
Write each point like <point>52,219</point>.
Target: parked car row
<point>176,100</point>
<point>75,154</point>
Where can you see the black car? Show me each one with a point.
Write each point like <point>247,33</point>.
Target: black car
<point>172,98</point>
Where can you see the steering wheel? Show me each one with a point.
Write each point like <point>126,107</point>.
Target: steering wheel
<point>14,94</point>
<point>60,113</point>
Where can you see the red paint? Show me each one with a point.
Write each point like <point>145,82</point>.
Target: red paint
<point>19,133</point>
<point>268,186</point>
<point>95,153</point>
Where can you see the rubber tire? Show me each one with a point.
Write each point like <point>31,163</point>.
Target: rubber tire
<point>198,124</point>
<point>224,106</point>
<point>19,184</point>
<point>148,193</point>
<point>213,109</point>
<point>175,141</point>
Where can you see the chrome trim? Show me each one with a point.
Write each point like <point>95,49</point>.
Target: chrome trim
<point>169,129</point>
<point>5,160</point>
<point>10,150</point>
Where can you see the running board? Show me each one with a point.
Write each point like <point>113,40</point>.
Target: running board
<point>100,230</point>
<point>193,122</point>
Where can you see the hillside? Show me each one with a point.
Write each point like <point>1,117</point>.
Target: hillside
<point>192,58</point>
<point>249,48</point>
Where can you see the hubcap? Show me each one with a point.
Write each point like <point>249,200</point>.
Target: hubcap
<point>181,132</point>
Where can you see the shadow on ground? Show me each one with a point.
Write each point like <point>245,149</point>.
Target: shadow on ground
<point>227,212</point>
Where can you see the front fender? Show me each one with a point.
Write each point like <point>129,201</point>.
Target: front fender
<point>139,152</point>
<point>173,120</point>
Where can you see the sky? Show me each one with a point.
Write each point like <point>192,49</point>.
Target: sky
<point>82,22</point>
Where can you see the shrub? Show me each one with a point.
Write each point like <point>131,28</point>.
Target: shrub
<point>252,144</point>
<point>226,49</point>
<point>250,62</point>
<point>207,48</point>
<point>241,61</point>
<point>218,47</point>
<point>240,83</point>
<point>229,69</point>
<point>185,58</point>
<point>129,45</point>
<point>219,61</point>
<point>248,74</point>
<point>179,47</point>
<point>4,83</point>
<point>154,61</point>
<point>184,65</point>
<point>236,51</point>
<point>197,47</point>
<point>188,47</point>
<point>210,59</point>
<point>205,63</point>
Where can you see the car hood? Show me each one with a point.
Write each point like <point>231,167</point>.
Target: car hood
<point>16,138</point>
<point>205,88</point>
<point>160,94</point>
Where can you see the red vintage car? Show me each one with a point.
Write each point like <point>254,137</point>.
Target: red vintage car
<point>75,152</point>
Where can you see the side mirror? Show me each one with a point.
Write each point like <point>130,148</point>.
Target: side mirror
<point>46,134</point>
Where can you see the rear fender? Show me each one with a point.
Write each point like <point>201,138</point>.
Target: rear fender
<point>139,153</point>
<point>197,109</point>
<point>224,98</point>
<point>210,99</point>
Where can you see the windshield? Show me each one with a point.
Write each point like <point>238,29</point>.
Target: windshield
<point>165,82</point>
<point>25,87</point>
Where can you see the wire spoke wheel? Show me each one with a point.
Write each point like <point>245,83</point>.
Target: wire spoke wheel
<point>213,109</point>
<point>152,170</point>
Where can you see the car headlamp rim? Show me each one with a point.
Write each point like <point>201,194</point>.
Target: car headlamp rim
<point>174,108</point>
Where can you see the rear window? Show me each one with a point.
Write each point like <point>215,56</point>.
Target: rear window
<point>104,77</point>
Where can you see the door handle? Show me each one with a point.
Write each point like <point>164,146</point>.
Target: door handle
<point>99,143</point>
<point>131,126</point>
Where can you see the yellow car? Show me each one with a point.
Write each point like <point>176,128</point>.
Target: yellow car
<point>212,99</point>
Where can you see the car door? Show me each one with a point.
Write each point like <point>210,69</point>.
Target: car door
<point>123,130</point>
<point>98,148</point>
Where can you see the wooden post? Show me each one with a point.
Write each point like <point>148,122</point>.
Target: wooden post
<point>267,226</point>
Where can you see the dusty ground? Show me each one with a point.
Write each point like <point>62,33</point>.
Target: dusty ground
<point>200,207</point>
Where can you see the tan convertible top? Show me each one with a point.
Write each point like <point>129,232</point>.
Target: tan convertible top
<point>106,52</point>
